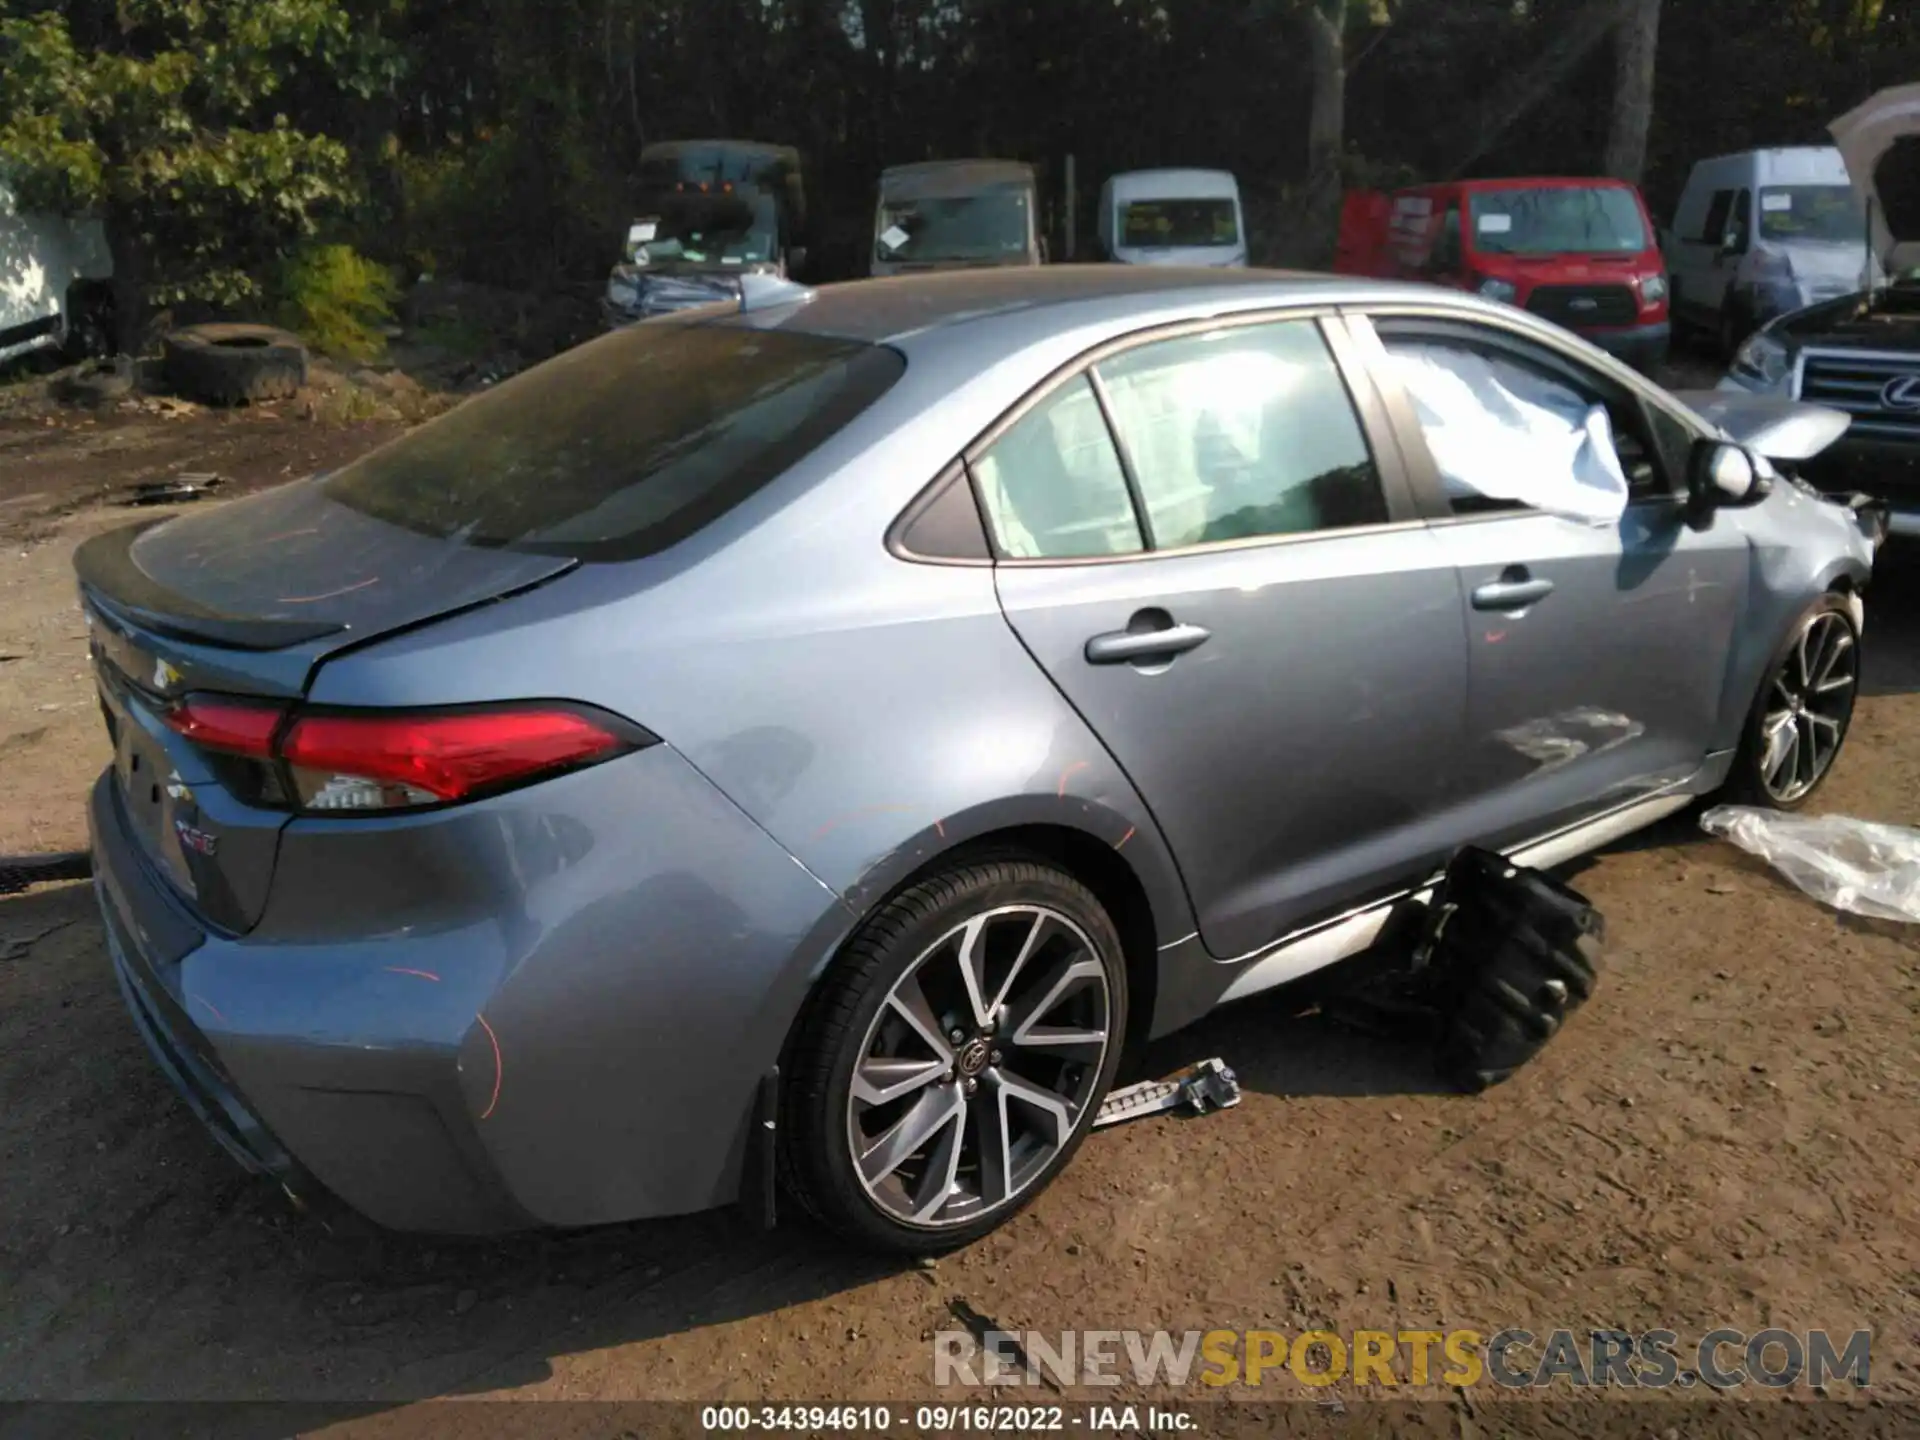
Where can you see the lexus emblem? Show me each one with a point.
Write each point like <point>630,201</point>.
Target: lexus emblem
<point>1901,393</point>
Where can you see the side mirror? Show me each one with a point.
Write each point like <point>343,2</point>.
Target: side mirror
<point>1721,476</point>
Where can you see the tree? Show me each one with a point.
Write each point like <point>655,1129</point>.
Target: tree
<point>1635,46</point>
<point>1327,120</point>
<point>164,118</point>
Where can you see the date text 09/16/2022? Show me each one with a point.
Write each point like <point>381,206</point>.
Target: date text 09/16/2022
<point>946,1419</point>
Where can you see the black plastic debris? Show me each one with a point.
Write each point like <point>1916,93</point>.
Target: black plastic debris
<point>1203,1088</point>
<point>1505,955</point>
<point>1513,952</point>
<point>179,490</point>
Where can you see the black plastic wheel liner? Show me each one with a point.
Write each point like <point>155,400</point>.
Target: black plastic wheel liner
<point>1517,952</point>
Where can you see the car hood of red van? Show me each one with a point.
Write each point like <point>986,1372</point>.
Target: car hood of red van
<point>1865,136</point>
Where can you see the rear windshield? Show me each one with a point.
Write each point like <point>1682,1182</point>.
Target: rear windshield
<point>1558,220</point>
<point>1148,224</point>
<point>624,446</point>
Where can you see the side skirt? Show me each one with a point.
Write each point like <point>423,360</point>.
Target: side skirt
<point>1349,935</point>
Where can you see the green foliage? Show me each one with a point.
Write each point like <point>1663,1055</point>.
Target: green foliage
<point>169,125</point>
<point>338,300</point>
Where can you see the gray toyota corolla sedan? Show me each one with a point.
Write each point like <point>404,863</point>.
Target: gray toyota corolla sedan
<point>819,739</point>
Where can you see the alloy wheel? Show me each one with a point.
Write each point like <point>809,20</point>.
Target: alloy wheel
<point>979,1067</point>
<point>1808,708</point>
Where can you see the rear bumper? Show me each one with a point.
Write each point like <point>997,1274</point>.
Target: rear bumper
<point>142,970</point>
<point>586,1047</point>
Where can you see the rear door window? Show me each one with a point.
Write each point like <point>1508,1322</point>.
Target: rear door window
<point>1052,486</point>
<point>624,446</point>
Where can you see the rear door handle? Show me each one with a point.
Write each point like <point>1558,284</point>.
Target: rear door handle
<point>1124,646</point>
<point>1514,594</point>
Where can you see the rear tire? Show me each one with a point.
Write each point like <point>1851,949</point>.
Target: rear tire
<point>1797,729</point>
<point>899,1136</point>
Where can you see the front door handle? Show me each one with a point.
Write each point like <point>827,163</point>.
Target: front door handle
<point>1512,593</point>
<point>1126,646</point>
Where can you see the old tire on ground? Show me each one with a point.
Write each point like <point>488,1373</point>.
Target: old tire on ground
<point>954,1056</point>
<point>94,383</point>
<point>1519,954</point>
<point>235,364</point>
<point>1800,718</point>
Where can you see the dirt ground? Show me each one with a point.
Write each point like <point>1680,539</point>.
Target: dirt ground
<point>1725,1136</point>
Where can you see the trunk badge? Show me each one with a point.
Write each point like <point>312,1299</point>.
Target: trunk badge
<point>198,841</point>
<point>165,677</point>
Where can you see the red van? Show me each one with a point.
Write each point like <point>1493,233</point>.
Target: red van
<point>1581,253</point>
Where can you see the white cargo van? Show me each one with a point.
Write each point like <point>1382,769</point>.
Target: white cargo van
<point>55,279</point>
<point>1172,217</point>
<point>1764,233</point>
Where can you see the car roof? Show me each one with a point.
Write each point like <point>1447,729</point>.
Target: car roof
<point>1173,184</point>
<point>890,309</point>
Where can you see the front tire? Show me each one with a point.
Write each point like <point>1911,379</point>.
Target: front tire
<point>954,1056</point>
<point>1800,719</point>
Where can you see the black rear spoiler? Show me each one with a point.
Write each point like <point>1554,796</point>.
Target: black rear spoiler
<point>113,583</point>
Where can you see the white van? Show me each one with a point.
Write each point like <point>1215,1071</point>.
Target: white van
<point>55,277</point>
<point>1763,233</point>
<point>1172,217</point>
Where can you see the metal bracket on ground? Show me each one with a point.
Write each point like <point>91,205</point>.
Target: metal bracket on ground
<point>1208,1086</point>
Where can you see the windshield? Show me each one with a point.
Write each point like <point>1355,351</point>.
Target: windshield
<point>1812,212</point>
<point>990,225</point>
<point>623,446</point>
<point>1153,224</point>
<point>1558,220</point>
<point>742,228</point>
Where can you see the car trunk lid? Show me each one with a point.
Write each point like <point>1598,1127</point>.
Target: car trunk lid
<point>248,600</point>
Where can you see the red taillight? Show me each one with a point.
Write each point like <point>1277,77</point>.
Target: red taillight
<point>440,757</point>
<point>372,761</point>
<point>235,727</point>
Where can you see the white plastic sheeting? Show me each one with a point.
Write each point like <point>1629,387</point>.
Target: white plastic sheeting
<point>1502,431</point>
<point>1852,865</point>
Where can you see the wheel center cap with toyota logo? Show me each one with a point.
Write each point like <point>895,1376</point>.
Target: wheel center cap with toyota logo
<point>973,1059</point>
<point>1901,393</point>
